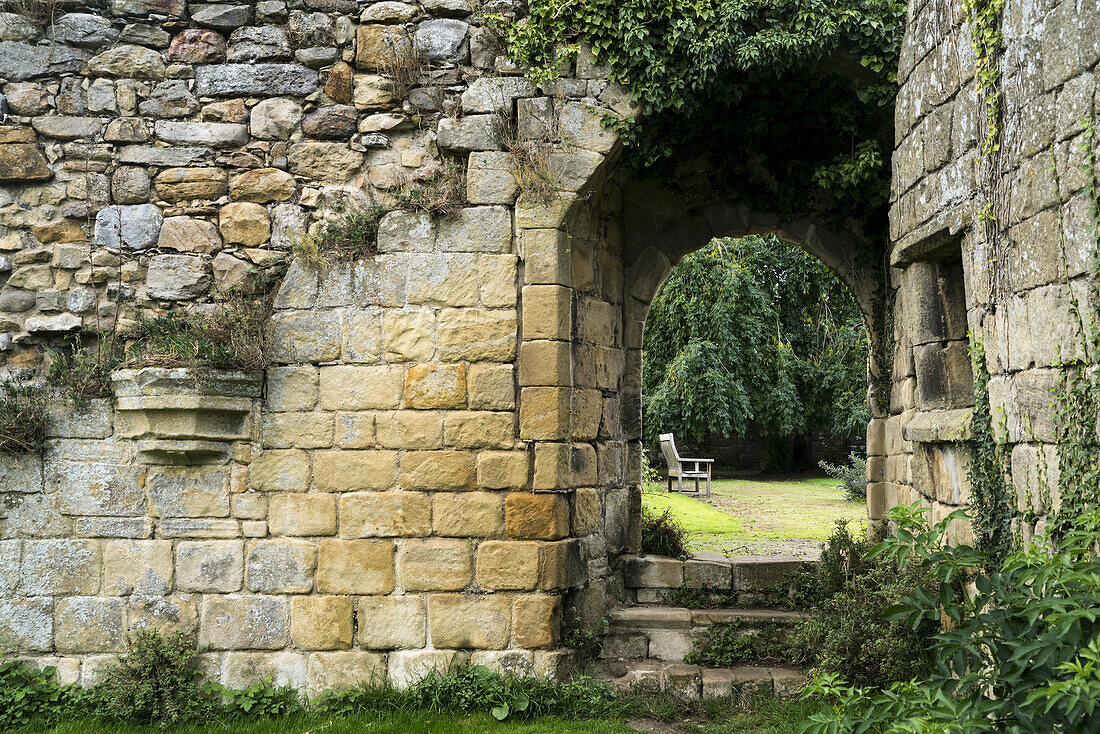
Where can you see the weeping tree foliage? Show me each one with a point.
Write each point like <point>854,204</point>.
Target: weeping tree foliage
<point>754,330</point>
<point>792,99</point>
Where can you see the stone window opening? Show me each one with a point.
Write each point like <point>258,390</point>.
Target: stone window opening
<point>941,344</point>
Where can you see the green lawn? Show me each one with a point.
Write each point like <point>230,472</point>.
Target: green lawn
<point>717,717</point>
<point>396,723</point>
<point>760,514</point>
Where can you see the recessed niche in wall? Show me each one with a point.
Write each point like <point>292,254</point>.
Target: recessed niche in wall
<point>941,348</point>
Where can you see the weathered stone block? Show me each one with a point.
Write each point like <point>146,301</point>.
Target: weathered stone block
<point>478,622</point>
<point>291,388</point>
<point>349,471</point>
<point>189,491</point>
<point>477,229</point>
<point>142,567</point>
<point>468,515</point>
<point>410,336</point>
<point>502,469</point>
<point>301,430</point>
<point>392,622</point>
<point>653,572</point>
<point>491,387</point>
<point>435,564</point>
<point>321,622</point>
<point>544,413</point>
<point>55,567</point>
<point>433,386</point>
<point>477,334</point>
<point>385,514</point>
<point>536,621</point>
<point>437,470</point>
<point>547,312</point>
<point>443,279</point>
<point>281,566</point>
<point>507,565</point>
<point>210,566</point>
<point>89,624</point>
<point>280,471</point>
<point>407,667</point>
<point>302,514</point>
<point>562,566</point>
<point>355,567</point>
<point>410,429</point>
<point>164,614</point>
<point>26,625</point>
<point>361,388</point>
<point>283,668</point>
<point>536,516</point>
<point>305,337</point>
<point>338,671</point>
<point>479,429</point>
<point>244,622</point>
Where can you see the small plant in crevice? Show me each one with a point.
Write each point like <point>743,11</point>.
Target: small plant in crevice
<point>663,535</point>
<point>38,12</point>
<point>852,476</point>
<point>350,235</point>
<point>22,417</point>
<point>701,597</point>
<point>531,152</point>
<point>733,644</point>
<point>403,65</point>
<point>440,194</point>
<point>82,371</point>
<point>156,682</point>
<point>585,643</point>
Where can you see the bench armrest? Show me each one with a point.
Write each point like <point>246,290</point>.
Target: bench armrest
<point>696,461</point>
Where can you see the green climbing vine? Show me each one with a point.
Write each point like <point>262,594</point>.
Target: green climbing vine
<point>1077,403</point>
<point>993,502</point>
<point>791,99</point>
<point>987,39</point>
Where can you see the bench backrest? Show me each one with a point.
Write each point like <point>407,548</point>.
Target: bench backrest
<point>668,450</point>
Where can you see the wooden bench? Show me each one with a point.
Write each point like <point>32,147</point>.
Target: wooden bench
<point>677,466</point>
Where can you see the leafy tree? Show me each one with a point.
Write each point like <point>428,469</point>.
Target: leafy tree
<point>758,331</point>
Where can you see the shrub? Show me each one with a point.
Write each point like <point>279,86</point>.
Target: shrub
<point>29,696</point>
<point>157,682</point>
<point>847,630</point>
<point>22,418</point>
<point>663,535</point>
<point>852,476</point>
<point>350,235</point>
<point>1019,653</point>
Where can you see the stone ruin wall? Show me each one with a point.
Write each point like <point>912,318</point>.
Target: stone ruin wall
<point>953,278</point>
<point>441,461</point>
<point>432,469</point>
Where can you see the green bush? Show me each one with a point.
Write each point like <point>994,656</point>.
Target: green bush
<point>852,476</point>
<point>847,631</point>
<point>663,535</point>
<point>157,682</point>
<point>731,645</point>
<point>1019,653</point>
<point>29,696</point>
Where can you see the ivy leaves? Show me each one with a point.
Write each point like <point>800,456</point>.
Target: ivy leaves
<point>742,82</point>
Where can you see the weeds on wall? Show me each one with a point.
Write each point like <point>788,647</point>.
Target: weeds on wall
<point>440,194</point>
<point>38,12</point>
<point>350,235</point>
<point>531,152</point>
<point>230,337</point>
<point>82,371</point>
<point>403,65</point>
<point>22,417</point>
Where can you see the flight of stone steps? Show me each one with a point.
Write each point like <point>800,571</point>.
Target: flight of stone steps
<point>648,638</point>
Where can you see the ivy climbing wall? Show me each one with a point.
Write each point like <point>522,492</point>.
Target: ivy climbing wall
<point>993,223</point>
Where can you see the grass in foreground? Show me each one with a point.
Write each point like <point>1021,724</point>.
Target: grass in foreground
<point>746,515</point>
<point>394,723</point>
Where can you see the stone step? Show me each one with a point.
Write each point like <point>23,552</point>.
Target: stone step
<point>695,682</point>
<point>669,633</point>
<point>649,579</point>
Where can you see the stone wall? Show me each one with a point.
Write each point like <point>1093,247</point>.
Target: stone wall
<point>961,273</point>
<point>441,461</point>
<point>431,468</point>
